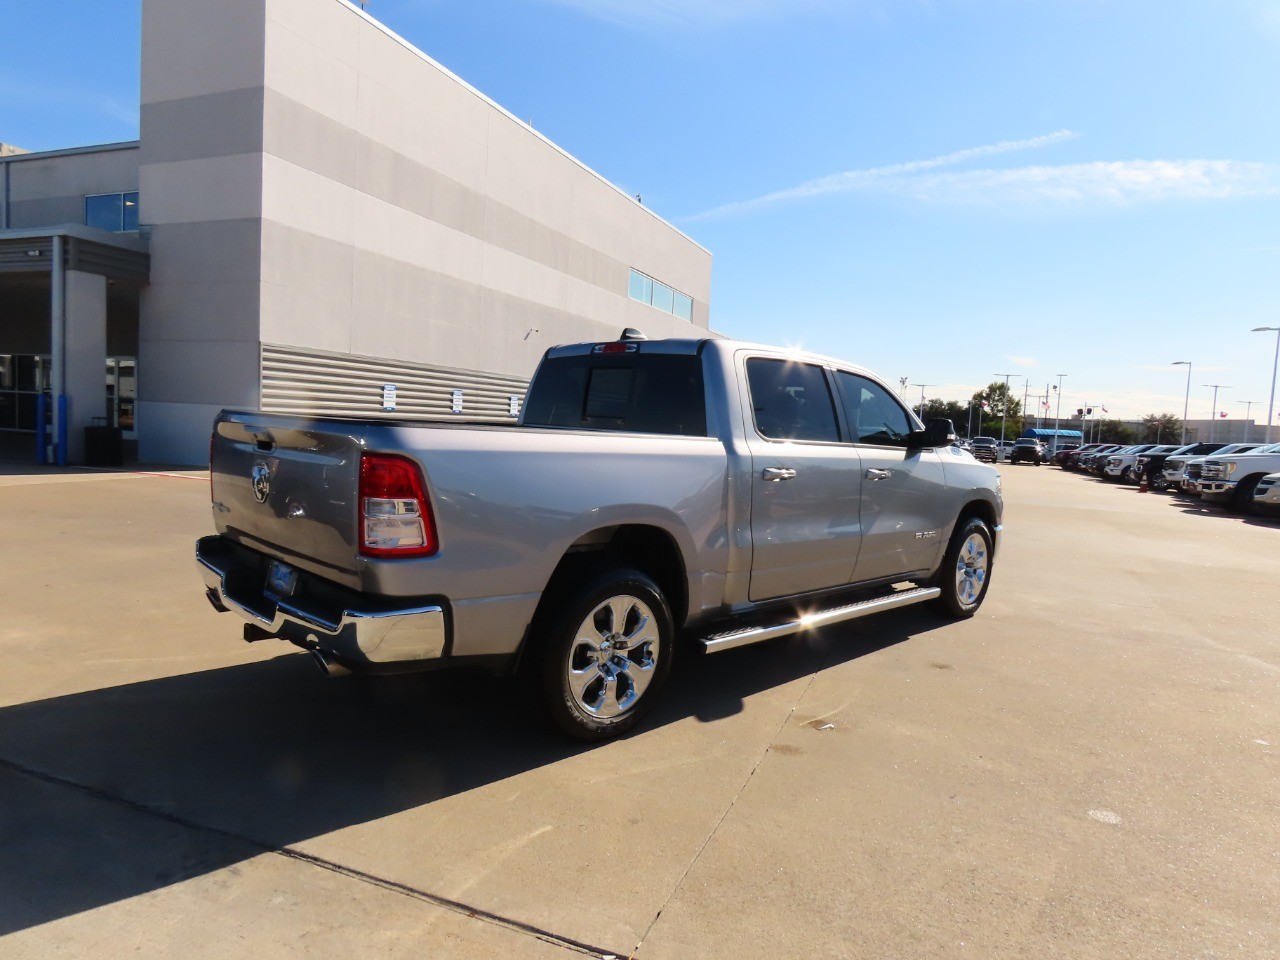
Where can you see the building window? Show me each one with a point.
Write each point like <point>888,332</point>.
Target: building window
<point>658,294</point>
<point>23,377</point>
<point>116,212</point>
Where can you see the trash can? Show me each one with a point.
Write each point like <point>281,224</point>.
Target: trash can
<point>103,445</point>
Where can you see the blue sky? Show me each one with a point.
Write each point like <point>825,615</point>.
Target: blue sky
<point>938,189</point>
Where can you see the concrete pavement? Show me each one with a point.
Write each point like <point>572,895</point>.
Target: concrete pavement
<point>1086,769</point>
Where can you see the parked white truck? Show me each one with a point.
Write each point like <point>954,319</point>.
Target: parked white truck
<point>654,497</point>
<point>1232,478</point>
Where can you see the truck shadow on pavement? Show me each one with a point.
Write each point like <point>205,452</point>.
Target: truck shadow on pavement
<point>119,792</point>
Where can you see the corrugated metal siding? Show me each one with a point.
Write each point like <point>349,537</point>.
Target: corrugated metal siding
<point>313,383</point>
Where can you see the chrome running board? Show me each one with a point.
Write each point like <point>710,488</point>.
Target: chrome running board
<point>822,618</point>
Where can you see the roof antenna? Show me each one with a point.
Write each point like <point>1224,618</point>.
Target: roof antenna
<point>631,333</point>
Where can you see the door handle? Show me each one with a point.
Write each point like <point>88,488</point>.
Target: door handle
<point>774,474</point>
<point>874,473</point>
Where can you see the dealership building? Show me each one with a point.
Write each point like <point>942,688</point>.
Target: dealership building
<point>318,219</point>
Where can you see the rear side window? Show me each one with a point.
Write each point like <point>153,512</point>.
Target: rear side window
<point>634,393</point>
<point>873,414</point>
<point>791,401</point>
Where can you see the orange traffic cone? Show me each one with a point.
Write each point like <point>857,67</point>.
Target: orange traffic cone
<point>1142,486</point>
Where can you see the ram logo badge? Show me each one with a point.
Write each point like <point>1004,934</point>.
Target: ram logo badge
<point>261,481</point>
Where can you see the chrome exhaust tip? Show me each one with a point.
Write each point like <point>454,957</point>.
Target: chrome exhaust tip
<point>328,667</point>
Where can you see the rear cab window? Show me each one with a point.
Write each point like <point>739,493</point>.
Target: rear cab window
<point>624,392</point>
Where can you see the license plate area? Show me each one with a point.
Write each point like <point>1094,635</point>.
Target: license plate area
<point>282,580</point>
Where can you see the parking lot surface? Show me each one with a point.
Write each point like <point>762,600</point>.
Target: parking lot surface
<point>1090,768</point>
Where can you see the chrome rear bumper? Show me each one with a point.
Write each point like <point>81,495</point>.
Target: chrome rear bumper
<point>354,635</point>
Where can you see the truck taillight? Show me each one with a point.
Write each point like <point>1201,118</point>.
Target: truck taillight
<point>395,516</point>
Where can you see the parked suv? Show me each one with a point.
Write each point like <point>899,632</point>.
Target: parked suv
<point>1027,449</point>
<point>1151,464</point>
<point>985,448</point>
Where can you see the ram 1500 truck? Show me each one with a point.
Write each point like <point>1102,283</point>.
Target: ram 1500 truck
<point>654,497</point>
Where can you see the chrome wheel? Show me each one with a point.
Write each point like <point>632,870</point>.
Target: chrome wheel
<point>971,568</point>
<point>613,657</point>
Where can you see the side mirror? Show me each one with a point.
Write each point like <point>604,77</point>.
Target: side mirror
<point>937,433</point>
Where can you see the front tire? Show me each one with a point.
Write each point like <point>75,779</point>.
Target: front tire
<point>1242,495</point>
<point>966,569</point>
<point>607,652</point>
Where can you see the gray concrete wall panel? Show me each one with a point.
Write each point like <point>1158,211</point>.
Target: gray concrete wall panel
<point>200,190</point>
<point>174,433</point>
<point>50,191</point>
<point>199,372</point>
<point>224,311</point>
<point>215,125</point>
<point>193,48</point>
<point>215,251</point>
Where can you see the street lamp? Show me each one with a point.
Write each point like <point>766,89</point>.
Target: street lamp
<point>1271,403</point>
<point>1004,404</point>
<point>1214,422</point>
<point>922,386</point>
<point>1057,416</point>
<point>1248,410</point>
<point>1185,399</point>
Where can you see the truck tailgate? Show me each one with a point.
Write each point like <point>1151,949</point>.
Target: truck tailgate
<point>288,488</point>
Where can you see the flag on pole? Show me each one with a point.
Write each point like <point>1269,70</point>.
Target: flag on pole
<point>1045,404</point>
<point>1223,413</point>
<point>985,405</point>
<point>1104,410</point>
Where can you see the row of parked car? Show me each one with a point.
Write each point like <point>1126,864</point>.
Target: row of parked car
<point>1243,476</point>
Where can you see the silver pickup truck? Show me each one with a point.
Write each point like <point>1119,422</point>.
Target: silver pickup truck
<point>655,497</point>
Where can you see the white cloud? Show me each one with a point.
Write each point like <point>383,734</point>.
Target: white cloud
<point>871,177</point>
<point>1108,181</point>
<point>1117,182</point>
<point>1024,361</point>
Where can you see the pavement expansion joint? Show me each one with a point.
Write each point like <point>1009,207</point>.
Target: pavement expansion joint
<point>454,906</point>
<point>732,803</point>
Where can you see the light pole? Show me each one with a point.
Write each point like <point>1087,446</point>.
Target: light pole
<point>1248,410</point>
<point>1057,416</point>
<point>1214,422</point>
<point>1185,399</point>
<point>1004,403</point>
<point>920,412</point>
<point>1271,403</point>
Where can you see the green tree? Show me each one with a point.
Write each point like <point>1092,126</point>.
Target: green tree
<point>1001,405</point>
<point>1114,431</point>
<point>1161,428</point>
<point>957,413</point>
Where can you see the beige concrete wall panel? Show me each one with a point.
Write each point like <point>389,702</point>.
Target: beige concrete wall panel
<point>191,48</point>
<point>302,136</point>
<point>422,127</point>
<point>199,311</point>
<point>293,258</point>
<point>110,171</point>
<point>199,371</point>
<point>507,272</point>
<point>178,433</point>
<point>528,176</point>
<point>507,229</point>
<point>307,201</point>
<point>307,318</point>
<point>216,251</point>
<point>385,287</point>
<point>308,74</point>
<point>212,188</point>
<point>328,25</point>
<point>385,230</point>
<point>215,125</point>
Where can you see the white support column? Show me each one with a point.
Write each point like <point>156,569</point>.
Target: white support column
<point>86,355</point>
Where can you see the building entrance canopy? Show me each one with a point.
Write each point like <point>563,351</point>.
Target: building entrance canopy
<point>54,288</point>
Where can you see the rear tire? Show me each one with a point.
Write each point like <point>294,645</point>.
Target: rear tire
<point>608,649</point>
<point>965,573</point>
